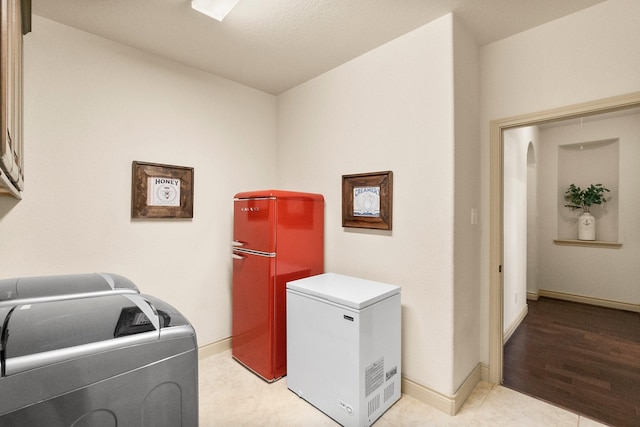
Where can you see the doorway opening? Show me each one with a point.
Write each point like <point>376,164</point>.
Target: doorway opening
<point>496,260</point>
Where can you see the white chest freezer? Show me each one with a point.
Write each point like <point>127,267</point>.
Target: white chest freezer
<point>343,346</point>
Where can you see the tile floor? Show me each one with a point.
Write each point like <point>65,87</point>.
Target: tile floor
<point>230,395</point>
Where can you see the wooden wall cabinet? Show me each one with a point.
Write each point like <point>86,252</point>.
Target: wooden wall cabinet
<point>15,21</point>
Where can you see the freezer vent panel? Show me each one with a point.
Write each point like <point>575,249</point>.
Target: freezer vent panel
<point>389,391</point>
<point>374,404</point>
<point>374,376</point>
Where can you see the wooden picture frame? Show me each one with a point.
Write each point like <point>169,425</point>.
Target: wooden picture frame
<point>367,200</point>
<point>161,191</point>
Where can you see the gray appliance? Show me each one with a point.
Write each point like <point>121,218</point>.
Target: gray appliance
<point>46,288</point>
<point>101,360</point>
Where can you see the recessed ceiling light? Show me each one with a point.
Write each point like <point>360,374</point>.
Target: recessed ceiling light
<point>217,9</point>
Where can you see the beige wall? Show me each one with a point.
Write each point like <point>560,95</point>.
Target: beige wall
<point>390,109</point>
<point>466,255</point>
<point>91,108</point>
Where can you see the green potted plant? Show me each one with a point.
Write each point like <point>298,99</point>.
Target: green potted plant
<point>584,199</point>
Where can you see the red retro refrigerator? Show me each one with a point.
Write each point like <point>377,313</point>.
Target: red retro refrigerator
<point>278,236</point>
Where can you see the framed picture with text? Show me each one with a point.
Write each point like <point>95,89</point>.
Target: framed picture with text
<point>161,191</point>
<point>367,200</point>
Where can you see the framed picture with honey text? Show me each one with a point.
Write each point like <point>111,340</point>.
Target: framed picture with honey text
<point>161,191</point>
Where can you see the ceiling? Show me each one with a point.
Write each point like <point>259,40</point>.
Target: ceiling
<point>274,45</point>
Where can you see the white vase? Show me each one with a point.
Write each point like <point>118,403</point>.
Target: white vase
<point>586,227</point>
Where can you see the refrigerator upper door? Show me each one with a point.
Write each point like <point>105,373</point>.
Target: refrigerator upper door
<point>254,224</point>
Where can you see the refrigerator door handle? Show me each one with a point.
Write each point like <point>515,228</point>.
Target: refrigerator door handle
<point>254,252</point>
<point>236,256</point>
<point>237,243</point>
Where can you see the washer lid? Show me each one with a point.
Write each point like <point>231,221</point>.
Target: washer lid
<point>349,291</point>
<point>69,284</point>
<point>55,325</point>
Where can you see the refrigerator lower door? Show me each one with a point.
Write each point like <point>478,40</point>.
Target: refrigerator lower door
<point>253,313</point>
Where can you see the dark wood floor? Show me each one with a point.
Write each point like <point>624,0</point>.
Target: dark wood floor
<point>580,357</point>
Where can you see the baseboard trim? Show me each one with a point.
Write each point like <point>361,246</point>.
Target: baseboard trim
<point>590,300</point>
<point>532,296</point>
<point>484,372</point>
<point>450,405</point>
<point>466,388</point>
<point>431,397</point>
<point>514,325</point>
<point>212,349</point>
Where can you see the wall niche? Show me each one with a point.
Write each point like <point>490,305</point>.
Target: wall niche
<point>583,164</point>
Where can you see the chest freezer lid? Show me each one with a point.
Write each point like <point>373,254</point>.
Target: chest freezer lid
<point>53,325</point>
<point>349,291</point>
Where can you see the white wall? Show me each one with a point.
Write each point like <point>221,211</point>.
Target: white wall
<point>585,56</point>
<point>609,274</point>
<point>91,108</point>
<point>516,202</point>
<point>390,109</point>
<point>532,213</point>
